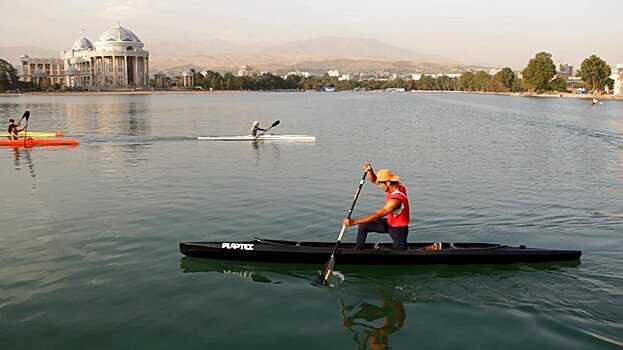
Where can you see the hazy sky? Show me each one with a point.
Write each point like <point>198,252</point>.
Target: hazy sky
<point>487,32</point>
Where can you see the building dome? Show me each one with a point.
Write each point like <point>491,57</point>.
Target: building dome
<point>81,44</point>
<point>119,34</point>
<point>72,71</point>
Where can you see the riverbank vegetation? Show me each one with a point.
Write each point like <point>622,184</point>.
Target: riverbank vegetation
<point>539,76</point>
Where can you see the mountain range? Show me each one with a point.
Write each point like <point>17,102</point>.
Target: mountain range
<point>346,54</point>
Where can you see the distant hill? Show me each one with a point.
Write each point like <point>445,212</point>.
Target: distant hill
<point>317,67</point>
<point>355,66</point>
<point>343,53</point>
<point>12,53</point>
<point>327,47</point>
<point>346,54</point>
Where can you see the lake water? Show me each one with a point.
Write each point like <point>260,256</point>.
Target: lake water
<point>89,238</point>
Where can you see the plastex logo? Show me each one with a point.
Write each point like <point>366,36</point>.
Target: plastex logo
<point>240,246</point>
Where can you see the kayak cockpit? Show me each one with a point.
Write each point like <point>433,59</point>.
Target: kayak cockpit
<point>379,246</point>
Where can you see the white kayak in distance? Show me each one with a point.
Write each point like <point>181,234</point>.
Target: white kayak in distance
<point>266,137</point>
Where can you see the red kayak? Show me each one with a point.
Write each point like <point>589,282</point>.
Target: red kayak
<point>30,142</point>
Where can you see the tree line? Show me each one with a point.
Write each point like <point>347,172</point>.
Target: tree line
<point>9,79</point>
<point>538,76</point>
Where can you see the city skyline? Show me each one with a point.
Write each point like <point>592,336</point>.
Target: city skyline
<point>487,33</point>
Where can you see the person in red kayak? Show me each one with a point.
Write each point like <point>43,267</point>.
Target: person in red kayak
<point>392,218</point>
<point>13,130</point>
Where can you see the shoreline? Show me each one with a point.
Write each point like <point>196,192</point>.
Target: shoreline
<point>157,92</point>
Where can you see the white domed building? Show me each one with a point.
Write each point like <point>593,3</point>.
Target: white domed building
<point>116,59</point>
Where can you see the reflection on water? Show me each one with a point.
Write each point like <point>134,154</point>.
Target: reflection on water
<point>17,152</point>
<point>121,115</point>
<point>371,324</point>
<point>372,302</point>
<point>190,265</point>
<point>264,148</point>
<point>138,119</point>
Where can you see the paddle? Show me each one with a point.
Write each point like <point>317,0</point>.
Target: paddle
<point>263,132</point>
<point>27,116</point>
<point>328,268</point>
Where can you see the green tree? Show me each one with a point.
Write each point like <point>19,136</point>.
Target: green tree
<point>465,81</point>
<point>559,84</point>
<point>213,80</point>
<point>426,82</point>
<point>481,81</point>
<point>8,76</point>
<point>293,82</point>
<point>595,72</point>
<point>539,72</point>
<point>505,78</point>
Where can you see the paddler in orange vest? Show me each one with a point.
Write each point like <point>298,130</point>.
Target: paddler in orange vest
<point>392,218</point>
<point>13,130</point>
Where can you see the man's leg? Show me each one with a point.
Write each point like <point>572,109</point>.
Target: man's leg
<point>379,225</point>
<point>399,237</point>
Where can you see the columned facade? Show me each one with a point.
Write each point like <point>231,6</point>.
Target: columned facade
<point>617,76</point>
<point>188,79</point>
<point>116,59</point>
<point>45,72</point>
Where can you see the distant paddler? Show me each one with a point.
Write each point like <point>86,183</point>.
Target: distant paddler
<point>13,130</point>
<point>255,128</point>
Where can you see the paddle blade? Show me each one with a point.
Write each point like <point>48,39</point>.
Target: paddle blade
<point>323,275</point>
<point>26,115</point>
<point>275,124</point>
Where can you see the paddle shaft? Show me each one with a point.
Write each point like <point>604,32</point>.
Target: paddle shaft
<point>270,127</point>
<point>27,116</point>
<point>350,211</point>
<point>331,261</point>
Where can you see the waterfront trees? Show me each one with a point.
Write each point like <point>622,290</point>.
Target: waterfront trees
<point>538,76</point>
<point>539,72</point>
<point>481,81</point>
<point>505,78</point>
<point>558,84</point>
<point>426,82</point>
<point>8,76</point>
<point>595,73</point>
<point>466,81</point>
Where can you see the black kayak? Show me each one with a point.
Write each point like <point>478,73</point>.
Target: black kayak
<point>282,251</point>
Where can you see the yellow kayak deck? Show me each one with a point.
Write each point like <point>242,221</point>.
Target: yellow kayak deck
<point>38,134</point>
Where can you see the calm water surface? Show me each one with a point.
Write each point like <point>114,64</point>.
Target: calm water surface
<point>89,237</point>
